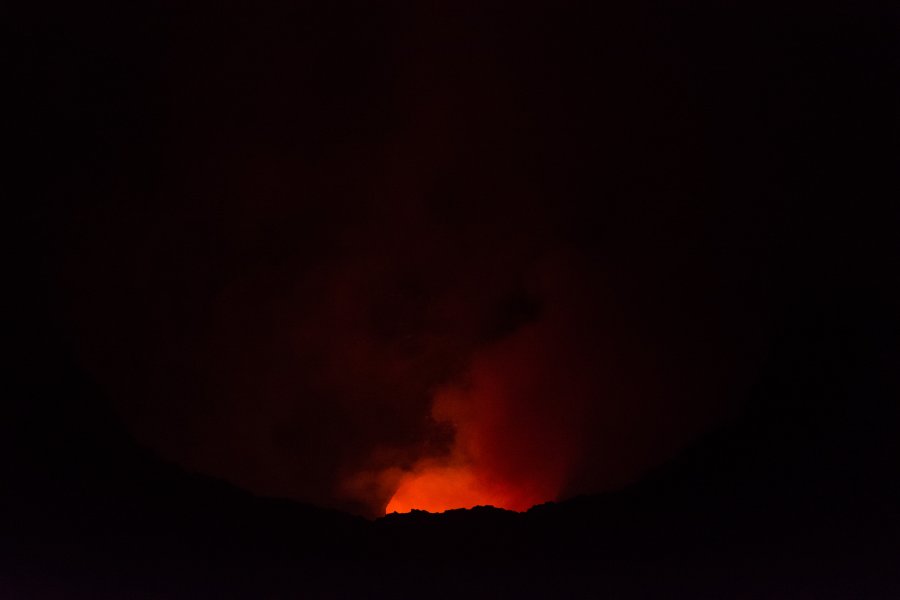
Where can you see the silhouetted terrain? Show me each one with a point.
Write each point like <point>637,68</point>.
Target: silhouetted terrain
<point>787,501</point>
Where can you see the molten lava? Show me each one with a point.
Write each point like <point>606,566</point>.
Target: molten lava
<point>437,489</point>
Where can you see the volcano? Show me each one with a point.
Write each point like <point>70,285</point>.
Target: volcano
<point>353,299</point>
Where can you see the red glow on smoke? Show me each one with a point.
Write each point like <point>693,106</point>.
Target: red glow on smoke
<point>441,488</point>
<point>516,431</point>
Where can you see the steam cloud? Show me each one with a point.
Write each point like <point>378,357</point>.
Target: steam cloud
<point>516,412</point>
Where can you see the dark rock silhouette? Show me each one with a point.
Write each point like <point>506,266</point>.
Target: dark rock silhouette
<point>768,497</point>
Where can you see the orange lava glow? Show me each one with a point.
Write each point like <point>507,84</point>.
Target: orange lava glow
<point>438,489</point>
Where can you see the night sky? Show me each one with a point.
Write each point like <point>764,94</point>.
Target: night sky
<point>395,255</point>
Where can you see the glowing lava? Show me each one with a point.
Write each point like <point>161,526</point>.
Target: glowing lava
<point>438,489</point>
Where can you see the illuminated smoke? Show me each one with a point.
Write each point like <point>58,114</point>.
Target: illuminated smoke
<point>516,413</point>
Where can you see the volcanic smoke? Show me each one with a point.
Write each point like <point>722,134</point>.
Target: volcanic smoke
<point>516,413</point>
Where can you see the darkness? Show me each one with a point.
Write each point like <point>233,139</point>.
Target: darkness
<point>276,269</point>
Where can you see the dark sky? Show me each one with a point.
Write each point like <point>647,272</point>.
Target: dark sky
<point>476,252</point>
